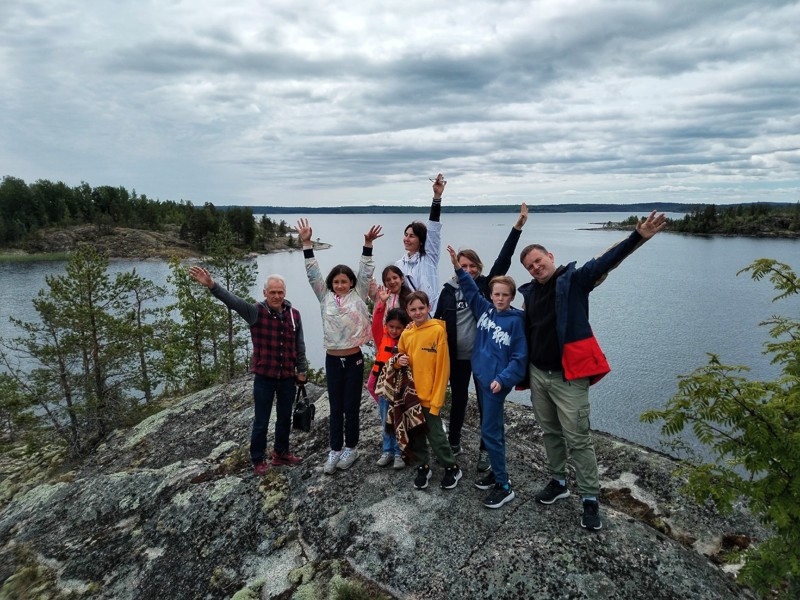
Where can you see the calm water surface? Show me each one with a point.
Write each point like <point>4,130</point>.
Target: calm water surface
<point>656,316</point>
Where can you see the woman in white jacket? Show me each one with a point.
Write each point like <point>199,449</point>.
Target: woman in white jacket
<point>423,246</point>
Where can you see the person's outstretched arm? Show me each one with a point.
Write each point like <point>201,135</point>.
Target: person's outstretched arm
<point>366,266</point>
<point>503,261</point>
<point>315,278</point>
<point>246,310</point>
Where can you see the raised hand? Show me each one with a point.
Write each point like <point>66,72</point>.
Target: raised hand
<point>200,275</point>
<point>383,294</point>
<point>453,257</point>
<point>304,231</point>
<point>522,218</point>
<point>373,234</point>
<point>438,186</point>
<point>650,226</point>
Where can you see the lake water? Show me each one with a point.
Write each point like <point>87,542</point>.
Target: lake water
<point>656,316</point>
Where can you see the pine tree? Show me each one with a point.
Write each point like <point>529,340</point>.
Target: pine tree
<point>231,271</point>
<point>191,348</point>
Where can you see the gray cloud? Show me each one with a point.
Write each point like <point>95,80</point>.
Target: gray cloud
<point>512,100</point>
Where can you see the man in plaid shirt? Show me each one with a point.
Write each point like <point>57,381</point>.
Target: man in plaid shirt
<point>279,360</point>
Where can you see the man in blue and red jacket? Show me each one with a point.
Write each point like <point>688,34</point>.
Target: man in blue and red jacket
<point>565,359</point>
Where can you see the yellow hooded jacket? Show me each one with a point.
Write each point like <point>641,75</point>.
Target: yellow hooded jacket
<point>426,347</point>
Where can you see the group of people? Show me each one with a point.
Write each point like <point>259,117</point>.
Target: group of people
<point>427,335</point>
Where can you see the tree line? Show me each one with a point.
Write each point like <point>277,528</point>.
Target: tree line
<point>754,219</point>
<point>26,209</point>
<point>104,349</point>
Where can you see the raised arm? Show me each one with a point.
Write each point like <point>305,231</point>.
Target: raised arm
<point>246,310</point>
<point>315,278</point>
<point>366,266</point>
<point>503,261</point>
<point>477,303</point>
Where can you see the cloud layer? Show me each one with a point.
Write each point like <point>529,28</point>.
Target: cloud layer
<point>301,103</point>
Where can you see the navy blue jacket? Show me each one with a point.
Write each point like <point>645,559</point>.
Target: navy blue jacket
<point>581,355</point>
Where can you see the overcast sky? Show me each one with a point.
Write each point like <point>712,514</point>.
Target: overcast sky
<point>302,103</point>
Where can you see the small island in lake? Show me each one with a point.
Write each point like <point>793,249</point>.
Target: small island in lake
<point>753,220</point>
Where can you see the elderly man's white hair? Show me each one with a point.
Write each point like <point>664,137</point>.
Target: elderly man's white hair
<point>275,277</point>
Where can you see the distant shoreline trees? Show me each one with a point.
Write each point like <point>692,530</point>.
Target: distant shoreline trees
<point>757,219</point>
<point>26,209</point>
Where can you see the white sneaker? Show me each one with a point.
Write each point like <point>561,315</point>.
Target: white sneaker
<point>347,459</point>
<point>334,456</point>
<point>384,460</point>
<point>399,463</point>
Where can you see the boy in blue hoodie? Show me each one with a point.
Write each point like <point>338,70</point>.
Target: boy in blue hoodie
<point>499,361</point>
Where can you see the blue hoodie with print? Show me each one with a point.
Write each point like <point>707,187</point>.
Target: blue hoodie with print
<point>500,352</point>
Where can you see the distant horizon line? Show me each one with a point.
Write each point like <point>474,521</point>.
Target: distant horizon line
<point>494,208</point>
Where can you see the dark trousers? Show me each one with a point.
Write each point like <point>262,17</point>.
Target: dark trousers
<point>345,376</point>
<point>460,372</point>
<point>264,391</point>
<point>434,435</point>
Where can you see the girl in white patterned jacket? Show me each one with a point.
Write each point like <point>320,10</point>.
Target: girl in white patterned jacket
<point>346,327</point>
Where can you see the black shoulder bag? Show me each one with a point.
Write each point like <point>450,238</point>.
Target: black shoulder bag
<point>303,410</point>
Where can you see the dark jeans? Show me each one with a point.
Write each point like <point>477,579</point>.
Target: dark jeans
<point>345,376</point>
<point>264,391</point>
<point>460,371</point>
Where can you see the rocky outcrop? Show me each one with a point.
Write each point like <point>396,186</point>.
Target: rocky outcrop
<point>171,509</point>
<point>117,242</point>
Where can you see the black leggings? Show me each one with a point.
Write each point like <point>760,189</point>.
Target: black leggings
<point>460,372</point>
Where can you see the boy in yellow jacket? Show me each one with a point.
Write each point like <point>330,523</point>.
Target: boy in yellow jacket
<point>423,347</point>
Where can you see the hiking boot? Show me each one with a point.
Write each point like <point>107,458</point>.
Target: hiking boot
<point>399,463</point>
<point>456,450</point>
<point>551,492</point>
<point>285,458</point>
<point>333,459</point>
<point>260,469</point>
<point>498,496</point>
<point>483,461</point>
<point>591,515</point>
<point>451,477</point>
<point>347,459</point>
<point>423,474</point>
<point>486,482</point>
<point>385,460</point>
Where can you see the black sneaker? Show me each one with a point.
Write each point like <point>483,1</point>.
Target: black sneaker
<point>423,474</point>
<point>451,477</point>
<point>591,515</point>
<point>486,482</point>
<point>551,492</point>
<point>498,496</point>
<point>456,450</point>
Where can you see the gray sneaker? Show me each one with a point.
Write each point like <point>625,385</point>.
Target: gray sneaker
<point>349,456</point>
<point>385,460</point>
<point>483,462</point>
<point>333,459</point>
<point>399,463</point>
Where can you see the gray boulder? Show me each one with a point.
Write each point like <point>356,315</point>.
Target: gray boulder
<point>170,508</point>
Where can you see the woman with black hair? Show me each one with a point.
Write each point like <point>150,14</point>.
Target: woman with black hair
<point>423,246</point>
